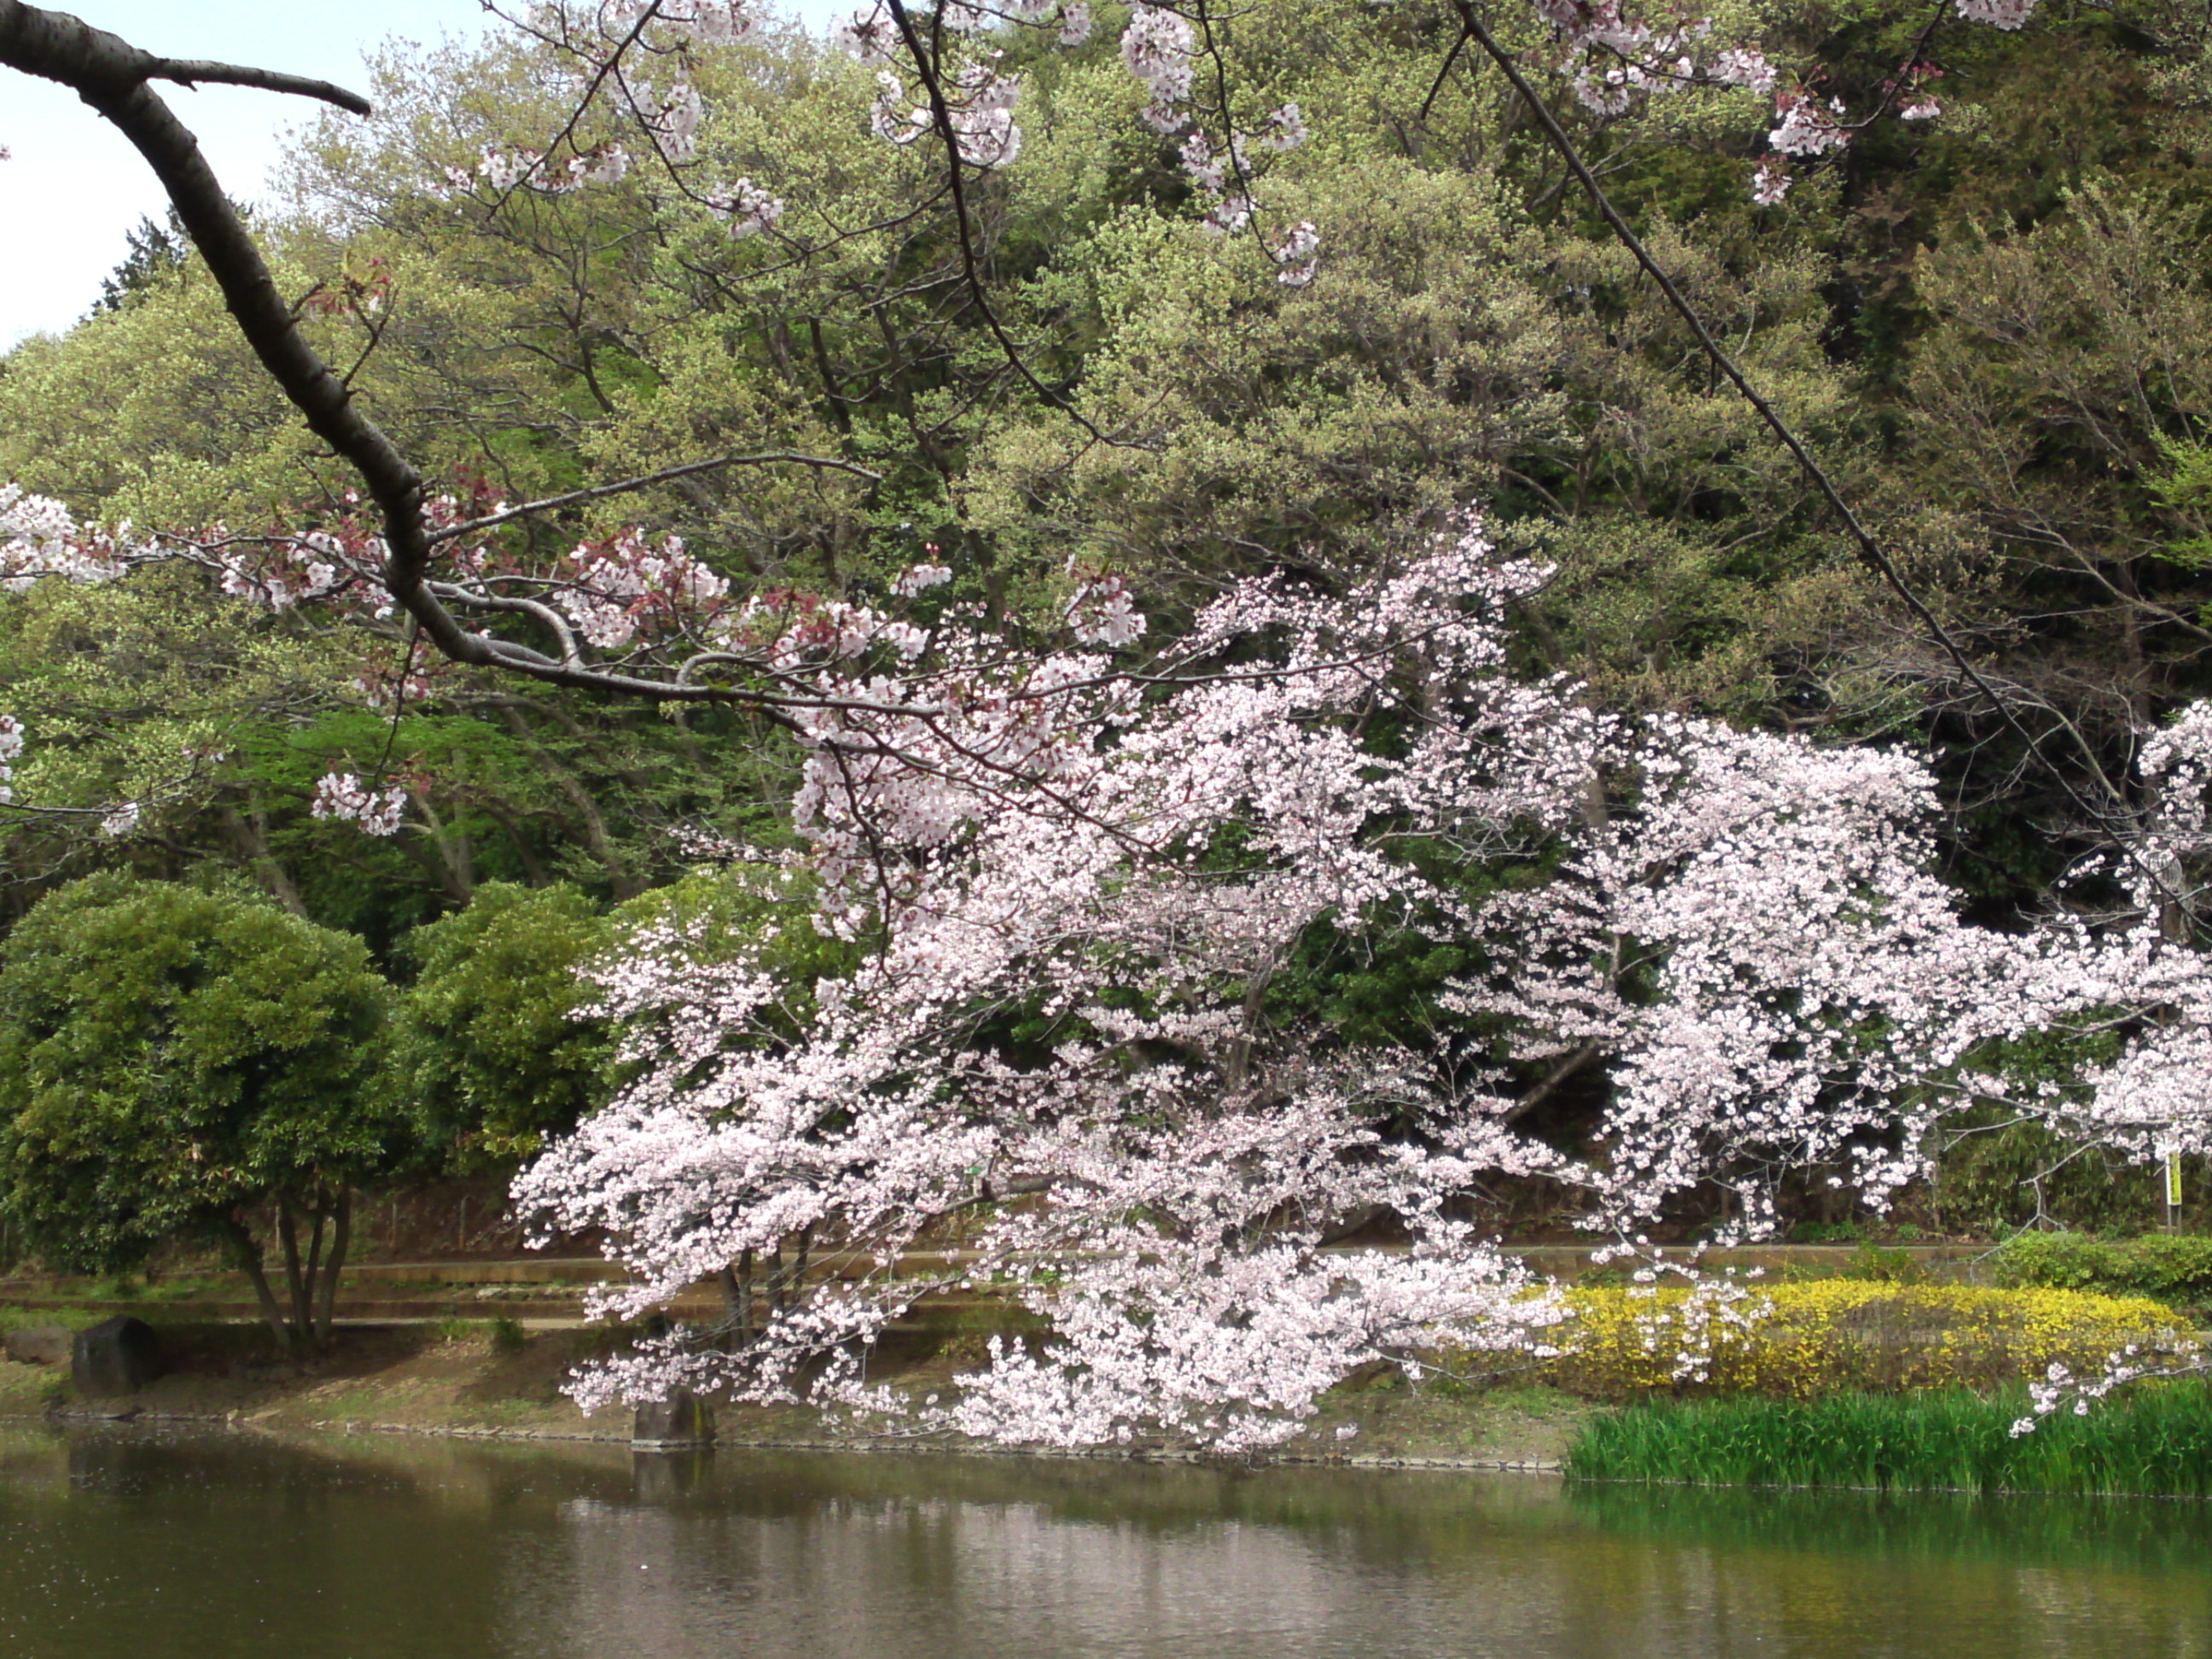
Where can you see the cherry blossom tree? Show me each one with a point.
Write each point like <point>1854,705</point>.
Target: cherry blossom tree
<point>1753,946</point>
<point>1158,1169</point>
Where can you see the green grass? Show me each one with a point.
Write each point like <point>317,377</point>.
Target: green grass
<point>2154,1442</point>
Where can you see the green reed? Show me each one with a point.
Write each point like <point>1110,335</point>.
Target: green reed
<point>2154,1441</point>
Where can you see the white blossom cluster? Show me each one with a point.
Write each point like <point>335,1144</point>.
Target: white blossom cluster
<point>969,817</point>
<point>979,99</point>
<point>1804,127</point>
<point>709,22</point>
<point>2006,15</point>
<point>1612,59</point>
<point>1102,610</point>
<point>979,106</point>
<point>343,797</point>
<point>1753,940</point>
<point>39,537</point>
<point>1159,47</point>
<point>505,168</point>
<point>615,590</point>
<point>749,208</point>
<point>11,751</point>
<point>918,579</point>
<point>294,571</point>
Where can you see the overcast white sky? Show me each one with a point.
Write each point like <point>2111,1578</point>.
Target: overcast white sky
<point>74,187</point>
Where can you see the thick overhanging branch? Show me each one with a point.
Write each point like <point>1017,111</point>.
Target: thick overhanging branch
<point>111,75</point>
<point>57,46</point>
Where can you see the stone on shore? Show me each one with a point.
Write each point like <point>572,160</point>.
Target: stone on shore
<point>682,1419</point>
<point>118,1356</point>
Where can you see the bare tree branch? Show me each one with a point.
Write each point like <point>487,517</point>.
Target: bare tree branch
<point>1870,549</point>
<point>110,75</point>
<point>645,480</point>
<point>57,46</point>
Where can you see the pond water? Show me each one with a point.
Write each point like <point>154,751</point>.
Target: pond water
<point>136,1543</point>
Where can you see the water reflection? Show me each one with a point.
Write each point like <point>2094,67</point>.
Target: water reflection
<point>117,1544</point>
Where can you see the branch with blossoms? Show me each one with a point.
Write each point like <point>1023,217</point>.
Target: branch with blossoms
<point>2170,1357</point>
<point>1614,60</point>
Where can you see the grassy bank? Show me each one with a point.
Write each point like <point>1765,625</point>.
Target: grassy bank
<point>2157,1442</point>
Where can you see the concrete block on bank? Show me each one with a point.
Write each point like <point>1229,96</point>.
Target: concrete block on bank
<point>682,1419</point>
<point>118,1356</point>
<point>41,1345</point>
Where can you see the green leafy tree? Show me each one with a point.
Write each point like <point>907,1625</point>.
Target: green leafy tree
<point>490,1055</point>
<point>175,1064</point>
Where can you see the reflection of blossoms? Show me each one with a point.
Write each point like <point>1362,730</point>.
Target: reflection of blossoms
<point>343,797</point>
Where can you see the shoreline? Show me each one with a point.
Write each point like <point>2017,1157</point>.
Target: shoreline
<point>874,1448</point>
<point>480,1382</point>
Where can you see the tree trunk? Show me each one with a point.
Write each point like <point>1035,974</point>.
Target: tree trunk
<point>326,1293</point>
<point>735,1298</point>
<point>288,1236</point>
<point>315,1247</point>
<point>253,843</point>
<point>248,1255</point>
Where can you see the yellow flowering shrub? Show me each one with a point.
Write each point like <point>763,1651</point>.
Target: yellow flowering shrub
<point>1827,1336</point>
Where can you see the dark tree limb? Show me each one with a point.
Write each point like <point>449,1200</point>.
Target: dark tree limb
<point>111,75</point>
<point>326,1291</point>
<point>57,46</point>
<point>247,1252</point>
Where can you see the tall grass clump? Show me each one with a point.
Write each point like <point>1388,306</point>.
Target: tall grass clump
<point>2156,1442</point>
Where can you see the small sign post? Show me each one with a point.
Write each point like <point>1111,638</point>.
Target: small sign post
<point>2172,1189</point>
